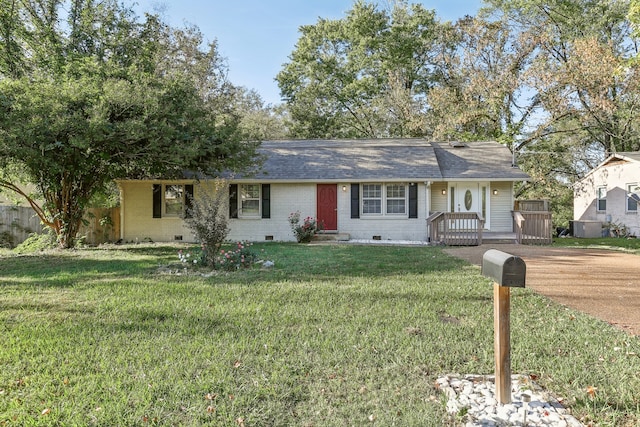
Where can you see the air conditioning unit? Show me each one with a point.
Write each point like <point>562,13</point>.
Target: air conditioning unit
<point>587,229</point>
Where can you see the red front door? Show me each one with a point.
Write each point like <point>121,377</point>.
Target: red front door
<point>327,197</point>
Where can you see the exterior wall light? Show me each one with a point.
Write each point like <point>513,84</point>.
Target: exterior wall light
<point>444,191</point>
<point>344,188</point>
<point>495,192</point>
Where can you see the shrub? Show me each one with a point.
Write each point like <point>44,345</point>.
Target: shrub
<point>207,218</point>
<point>304,232</point>
<point>37,243</point>
<point>187,259</point>
<point>240,257</point>
<point>7,240</point>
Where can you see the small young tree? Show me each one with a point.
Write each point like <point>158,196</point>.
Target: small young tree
<point>207,218</point>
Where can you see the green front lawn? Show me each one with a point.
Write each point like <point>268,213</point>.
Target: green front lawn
<point>333,335</point>
<point>615,243</point>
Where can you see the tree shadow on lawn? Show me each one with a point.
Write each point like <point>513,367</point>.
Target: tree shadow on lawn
<point>292,262</point>
<point>62,270</point>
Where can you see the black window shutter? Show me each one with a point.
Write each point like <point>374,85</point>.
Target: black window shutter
<point>157,200</point>
<point>188,200</point>
<point>355,200</point>
<point>266,200</point>
<point>233,201</point>
<point>413,200</point>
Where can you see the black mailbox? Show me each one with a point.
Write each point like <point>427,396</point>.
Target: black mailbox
<point>505,269</point>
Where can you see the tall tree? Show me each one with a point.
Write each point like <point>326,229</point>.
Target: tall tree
<point>634,16</point>
<point>586,89</point>
<point>362,76</point>
<point>95,95</point>
<point>581,73</point>
<point>481,92</point>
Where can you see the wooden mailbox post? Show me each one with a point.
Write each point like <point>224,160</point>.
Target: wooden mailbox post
<point>507,271</point>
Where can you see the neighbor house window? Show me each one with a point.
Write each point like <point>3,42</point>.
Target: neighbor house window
<point>601,202</point>
<point>250,200</point>
<point>632,202</point>
<point>381,199</point>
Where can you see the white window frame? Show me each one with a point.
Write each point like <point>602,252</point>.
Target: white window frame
<point>242,197</point>
<point>601,197</point>
<point>631,188</point>
<point>367,195</point>
<point>388,198</point>
<point>383,198</point>
<point>182,194</point>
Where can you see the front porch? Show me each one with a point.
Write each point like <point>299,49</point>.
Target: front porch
<point>467,229</point>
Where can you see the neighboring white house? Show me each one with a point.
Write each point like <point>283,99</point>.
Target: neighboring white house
<point>608,194</point>
<point>366,189</point>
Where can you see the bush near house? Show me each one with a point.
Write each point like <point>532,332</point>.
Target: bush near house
<point>304,232</point>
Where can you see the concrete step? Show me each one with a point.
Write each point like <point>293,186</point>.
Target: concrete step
<point>331,237</point>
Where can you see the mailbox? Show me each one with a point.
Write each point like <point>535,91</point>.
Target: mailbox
<point>503,268</point>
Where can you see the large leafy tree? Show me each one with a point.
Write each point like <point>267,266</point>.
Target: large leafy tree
<point>481,90</point>
<point>581,74</point>
<point>586,86</point>
<point>92,94</point>
<point>365,75</point>
<point>554,80</point>
<point>634,16</point>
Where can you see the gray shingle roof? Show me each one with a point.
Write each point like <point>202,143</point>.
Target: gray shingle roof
<point>485,160</point>
<point>383,160</point>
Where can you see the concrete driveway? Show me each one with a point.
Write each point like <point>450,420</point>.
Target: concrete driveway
<point>605,284</point>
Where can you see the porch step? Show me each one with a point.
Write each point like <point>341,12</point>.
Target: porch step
<point>506,238</point>
<point>332,237</point>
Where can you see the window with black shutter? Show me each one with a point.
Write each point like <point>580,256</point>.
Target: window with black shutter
<point>157,201</point>
<point>233,201</point>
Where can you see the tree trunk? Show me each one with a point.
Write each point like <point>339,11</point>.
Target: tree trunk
<point>67,233</point>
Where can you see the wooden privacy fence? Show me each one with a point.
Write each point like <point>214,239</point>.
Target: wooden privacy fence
<point>102,226</point>
<point>18,222</point>
<point>533,228</point>
<point>531,205</point>
<point>455,228</point>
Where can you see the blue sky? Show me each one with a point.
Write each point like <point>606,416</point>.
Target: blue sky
<point>257,36</point>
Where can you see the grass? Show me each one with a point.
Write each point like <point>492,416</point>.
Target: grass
<point>614,243</point>
<point>333,335</point>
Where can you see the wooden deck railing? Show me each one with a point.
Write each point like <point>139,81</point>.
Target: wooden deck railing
<point>455,228</point>
<point>533,227</point>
